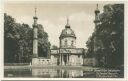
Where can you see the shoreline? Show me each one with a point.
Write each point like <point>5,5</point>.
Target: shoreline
<point>51,67</point>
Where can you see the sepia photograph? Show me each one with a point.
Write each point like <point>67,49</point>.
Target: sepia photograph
<point>63,39</point>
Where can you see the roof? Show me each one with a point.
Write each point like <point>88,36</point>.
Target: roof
<point>67,32</point>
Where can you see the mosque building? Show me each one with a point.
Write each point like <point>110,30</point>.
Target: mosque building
<point>67,54</point>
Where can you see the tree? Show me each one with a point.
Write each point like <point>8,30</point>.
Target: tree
<point>18,41</point>
<point>11,37</point>
<point>43,42</point>
<point>54,47</point>
<point>109,36</point>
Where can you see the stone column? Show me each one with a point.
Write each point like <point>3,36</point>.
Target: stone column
<point>60,60</point>
<point>35,38</point>
<point>67,59</point>
<point>35,60</point>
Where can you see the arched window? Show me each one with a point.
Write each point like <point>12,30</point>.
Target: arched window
<point>65,42</point>
<point>72,43</point>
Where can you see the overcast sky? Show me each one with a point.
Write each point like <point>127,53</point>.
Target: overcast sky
<point>53,18</point>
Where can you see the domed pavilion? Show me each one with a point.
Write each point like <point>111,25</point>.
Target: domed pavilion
<point>67,54</point>
<point>67,37</point>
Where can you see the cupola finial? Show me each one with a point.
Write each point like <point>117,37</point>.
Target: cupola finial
<point>35,17</point>
<point>35,11</point>
<point>67,25</point>
<point>67,21</point>
<point>97,7</point>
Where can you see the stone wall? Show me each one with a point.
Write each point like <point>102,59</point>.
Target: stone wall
<point>40,62</point>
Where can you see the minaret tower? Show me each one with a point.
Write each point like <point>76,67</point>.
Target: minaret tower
<point>35,38</point>
<point>97,22</point>
<point>97,12</point>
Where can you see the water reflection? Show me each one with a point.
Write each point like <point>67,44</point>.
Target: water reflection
<point>56,73</point>
<point>62,73</point>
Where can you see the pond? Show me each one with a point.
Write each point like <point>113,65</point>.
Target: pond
<point>63,73</point>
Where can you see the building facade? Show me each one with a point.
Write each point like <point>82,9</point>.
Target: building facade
<point>67,54</point>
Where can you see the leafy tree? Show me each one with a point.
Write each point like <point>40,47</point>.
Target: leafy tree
<point>10,34</point>
<point>54,47</point>
<point>18,41</point>
<point>43,42</point>
<point>109,37</point>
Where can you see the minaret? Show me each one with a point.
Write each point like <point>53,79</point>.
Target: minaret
<point>97,12</point>
<point>35,38</point>
<point>96,21</point>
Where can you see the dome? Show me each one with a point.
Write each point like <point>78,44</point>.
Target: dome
<point>67,32</point>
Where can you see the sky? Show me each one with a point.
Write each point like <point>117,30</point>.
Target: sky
<point>53,17</point>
